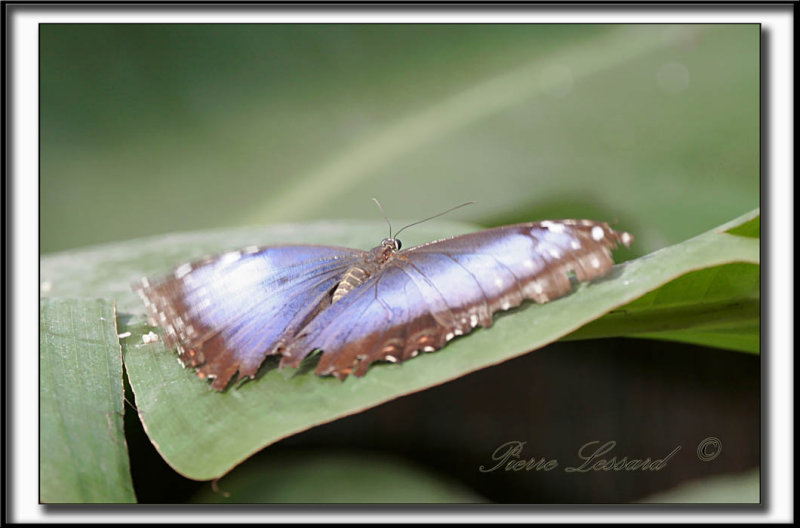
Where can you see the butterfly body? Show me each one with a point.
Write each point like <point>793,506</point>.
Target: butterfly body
<point>355,276</point>
<point>226,314</point>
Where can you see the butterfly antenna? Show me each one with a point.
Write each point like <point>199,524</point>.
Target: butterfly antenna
<point>384,215</point>
<point>435,216</point>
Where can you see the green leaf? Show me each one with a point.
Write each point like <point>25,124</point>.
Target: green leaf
<point>313,476</point>
<point>744,488</point>
<point>745,338</point>
<point>751,228</point>
<point>203,434</point>
<point>84,458</point>
<point>717,306</point>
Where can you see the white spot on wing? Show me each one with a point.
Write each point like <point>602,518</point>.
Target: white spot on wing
<point>230,257</point>
<point>554,227</point>
<point>182,271</point>
<point>598,233</point>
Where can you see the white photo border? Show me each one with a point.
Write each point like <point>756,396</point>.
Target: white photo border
<point>22,58</point>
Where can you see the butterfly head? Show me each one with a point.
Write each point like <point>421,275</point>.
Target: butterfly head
<point>392,243</point>
<point>387,248</point>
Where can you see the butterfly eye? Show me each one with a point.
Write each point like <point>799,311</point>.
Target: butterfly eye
<point>392,243</point>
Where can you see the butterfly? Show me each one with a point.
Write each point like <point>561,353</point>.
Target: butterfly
<point>226,314</point>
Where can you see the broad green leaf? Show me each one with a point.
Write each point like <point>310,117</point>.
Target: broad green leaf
<point>751,228</point>
<point>717,306</point>
<point>203,434</point>
<point>84,458</point>
<point>312,476</point>
<point>744,338</point>
<point>744,488</point>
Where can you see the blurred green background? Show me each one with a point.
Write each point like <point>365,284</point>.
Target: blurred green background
<point>148,129</point>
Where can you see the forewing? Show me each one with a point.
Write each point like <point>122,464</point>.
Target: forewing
<point>226,314</point>
<point>429,294</point>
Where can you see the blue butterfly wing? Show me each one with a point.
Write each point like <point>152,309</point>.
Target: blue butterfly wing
<point>425,296</point>
<point>226,314</point>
